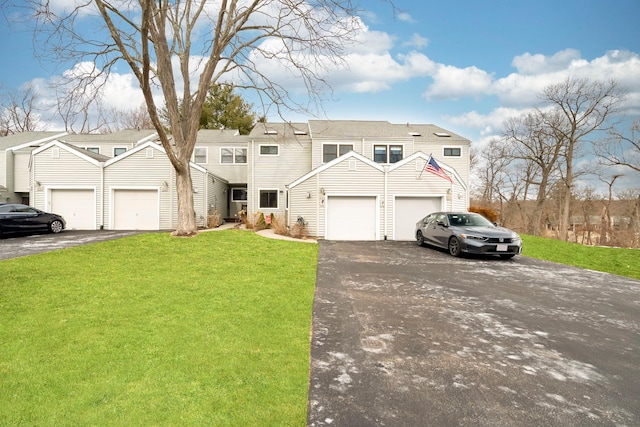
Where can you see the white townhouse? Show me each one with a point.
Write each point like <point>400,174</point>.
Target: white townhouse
<point>347,180</point>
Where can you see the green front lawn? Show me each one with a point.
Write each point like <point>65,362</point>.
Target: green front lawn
<point>620,261</point>
<point>157,330</point>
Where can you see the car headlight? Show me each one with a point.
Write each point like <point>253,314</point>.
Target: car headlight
<point>515,238</point>
<point>471,236</point>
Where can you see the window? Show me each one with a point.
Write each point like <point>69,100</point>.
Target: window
<point>333,151</point>
<point>387,153</point>
<point>240,155</point>
<point>269,150</point>
<point>93,149</point>
<point>452,152</point>
<point>238,194</point>
<point>200,155</point>
<point>268,199</point>
<point>119,150</point>
<point>233,155</point>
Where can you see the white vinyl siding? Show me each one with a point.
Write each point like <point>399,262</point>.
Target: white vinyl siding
<point>68,171</point>
<point>21,171</point>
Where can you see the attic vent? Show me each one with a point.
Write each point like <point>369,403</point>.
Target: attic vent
<point>270,132</point>
<point>149,153</point>
<point>55,153</point>
<point>353,166</point>
<point>442,134</point>
<point>415,134</point>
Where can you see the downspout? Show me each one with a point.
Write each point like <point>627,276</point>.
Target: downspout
<point>253,176</point>
<point>384,202</point>
<point>102,196</point>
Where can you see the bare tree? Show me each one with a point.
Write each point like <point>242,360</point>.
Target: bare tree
<point>621,149</point>
<point>183,47</point>
<point>19,112</point>
<point>137,118</point>
<point>533,142</point>
<point>584,106</point>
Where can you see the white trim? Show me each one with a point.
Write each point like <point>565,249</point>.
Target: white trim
<point>68,149</point>
<point>36,142</point>
<point>388,152</point>
<point>337,144</point>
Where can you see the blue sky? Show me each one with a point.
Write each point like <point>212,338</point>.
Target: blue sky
<point>465,65</point>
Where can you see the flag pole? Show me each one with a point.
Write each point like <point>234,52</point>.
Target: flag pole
<point>425,166</point>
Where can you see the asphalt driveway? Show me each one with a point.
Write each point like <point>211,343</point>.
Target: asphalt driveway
<point>409,336</point>
<point>13,246</point>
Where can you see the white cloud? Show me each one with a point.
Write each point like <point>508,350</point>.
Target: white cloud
<point>405,17</point>
<point>450,82</point>
<point>529,64</point>
<point>416,41</point>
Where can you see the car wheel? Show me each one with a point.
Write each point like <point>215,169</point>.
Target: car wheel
<point>454,246</point>
<point>507,256</point>
<point>56,226</point>
<point>420,238</point>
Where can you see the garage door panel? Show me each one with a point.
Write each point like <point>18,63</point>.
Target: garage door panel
<point>135,210</point>
<point>408,211</point>
<point>351,218</point>
<point>77,207</point>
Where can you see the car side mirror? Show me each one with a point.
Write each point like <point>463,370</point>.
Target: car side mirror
<point>442,224</point>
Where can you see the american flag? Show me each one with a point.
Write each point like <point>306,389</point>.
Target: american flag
<point>434,168</point>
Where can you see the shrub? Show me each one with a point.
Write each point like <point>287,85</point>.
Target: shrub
<point>298,231</point>
<point>278,225</point>
<point>488,213</point>
<point>214,219</point>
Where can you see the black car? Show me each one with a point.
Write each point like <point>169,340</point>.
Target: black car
<point>467,232</point>
<point>17,218</point>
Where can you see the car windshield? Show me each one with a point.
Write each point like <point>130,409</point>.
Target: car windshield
<point>468,220</point>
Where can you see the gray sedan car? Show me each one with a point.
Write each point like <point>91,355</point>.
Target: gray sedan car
<point>467,232</point>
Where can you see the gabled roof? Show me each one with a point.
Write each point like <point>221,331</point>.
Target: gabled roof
<point>160,148</point>
<point>127,136</point>
<point>347,156</point>
<point>28,139</point>
<point>420,155</point>
<point>91,157</point>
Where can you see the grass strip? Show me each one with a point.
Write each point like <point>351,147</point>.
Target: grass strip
<point>620,261</point>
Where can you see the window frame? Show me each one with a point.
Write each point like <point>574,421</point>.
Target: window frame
<point>233,155</point>
<point>94,150</point>
<point>206,155</point>
<point>233,199</point>
<point>119,148</point>
<point>451,148</point>
<point>338,152</point>
<point>268,190</point>
<point>388,152</point>
<point>261,146</point>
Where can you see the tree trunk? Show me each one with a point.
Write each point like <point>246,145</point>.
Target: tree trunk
<point>186,214</point>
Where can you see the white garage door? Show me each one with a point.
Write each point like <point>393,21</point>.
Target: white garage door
<point>409,210</point>
<point>77,207</point>
<point>136,210</point>
<point>351,218</point>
